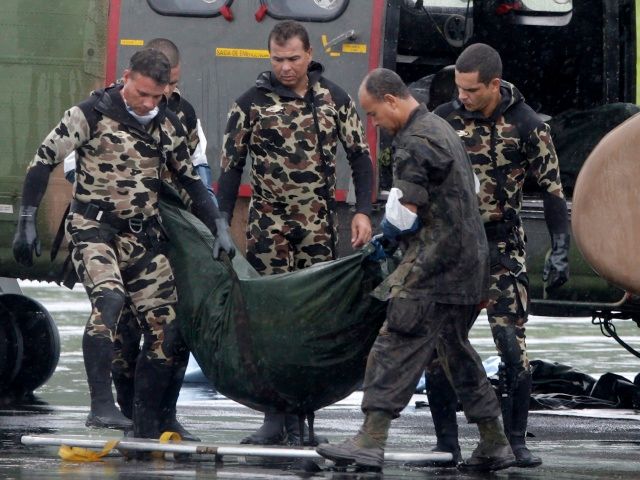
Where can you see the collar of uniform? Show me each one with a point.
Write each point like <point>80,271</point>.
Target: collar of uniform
<point>111,104</point>
<point>419,111</point>
<point>268,81</point>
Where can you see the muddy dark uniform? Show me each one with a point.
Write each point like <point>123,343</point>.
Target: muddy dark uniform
<point>116,234</point>
<point>443,275</point>
<point>293,143</point>
<point>503,149</point>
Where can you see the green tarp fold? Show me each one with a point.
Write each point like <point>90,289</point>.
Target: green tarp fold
<point>294,342</point>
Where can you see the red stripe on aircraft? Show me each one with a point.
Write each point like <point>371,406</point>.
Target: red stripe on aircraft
<point>113,32</point>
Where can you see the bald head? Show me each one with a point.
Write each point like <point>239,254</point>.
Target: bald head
<point>386,99</point>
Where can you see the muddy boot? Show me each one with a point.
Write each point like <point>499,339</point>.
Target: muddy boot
<point>519,417</point>
<point>270,433</point>
<point>366,449</point>
<point>98,352</point>
<point>493,452</point>
<point>292,427</point>
<point>443,403</point>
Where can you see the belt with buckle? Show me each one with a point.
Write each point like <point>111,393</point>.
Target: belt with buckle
<point>91,211</point>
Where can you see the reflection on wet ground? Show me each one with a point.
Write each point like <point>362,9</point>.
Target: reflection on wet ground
<point>573,444</point>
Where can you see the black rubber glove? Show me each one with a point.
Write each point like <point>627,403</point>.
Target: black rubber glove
<point>25,241</point>
<point>223,238</point>
<point>384,247</point>
<point>556,265</point>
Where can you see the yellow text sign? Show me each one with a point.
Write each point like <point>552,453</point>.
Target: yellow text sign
<point>241,53</point>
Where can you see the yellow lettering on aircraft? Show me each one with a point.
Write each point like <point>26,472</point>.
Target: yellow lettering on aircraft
<point>241,53</point>
<point>354,48</point>
<point>131,42</point>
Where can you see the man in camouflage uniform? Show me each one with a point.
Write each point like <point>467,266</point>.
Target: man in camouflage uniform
<point>506,141</point>
<point>123,136</point>
<point>127,339</point>
<point>291,122</point>
<point>435,290</point>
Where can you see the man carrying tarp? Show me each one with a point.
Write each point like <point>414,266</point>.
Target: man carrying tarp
<point>123,135</point>
<point>291,123</point>
<point>432,215</point>
<point>103,412</point>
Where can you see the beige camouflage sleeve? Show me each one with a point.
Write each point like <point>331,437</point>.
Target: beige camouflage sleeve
<point>179,158</point>
<point>351,130</point>
<point>236,139</point>
<point>69,134</point>
<point>543,159</point>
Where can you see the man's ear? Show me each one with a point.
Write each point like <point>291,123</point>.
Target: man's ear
<point>495,84</point>
<point>391,100</point>
<point>126,74</point>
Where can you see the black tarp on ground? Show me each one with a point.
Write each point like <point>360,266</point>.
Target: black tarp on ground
<point>558,386</point>
<point>294,342</point>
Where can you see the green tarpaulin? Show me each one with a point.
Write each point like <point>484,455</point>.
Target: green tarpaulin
<point>293,342</point>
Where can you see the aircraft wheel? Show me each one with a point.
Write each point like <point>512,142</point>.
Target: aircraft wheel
<point>37,353</point>
<point>11,348</point>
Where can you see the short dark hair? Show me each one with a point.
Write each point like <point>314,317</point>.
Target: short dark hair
<point>151,63</point>
<point>382,81</point>
<point>480,58</point>
<point>287,30</point>
<point>167,47</point>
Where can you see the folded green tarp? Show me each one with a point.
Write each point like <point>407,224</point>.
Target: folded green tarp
<point>294,342</point>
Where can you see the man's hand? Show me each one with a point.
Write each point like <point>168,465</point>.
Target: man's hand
<point>223,239</point>
<point>556,266</point>
<point>360,230</point>
<point>384,248</point>
<point>26,241</point>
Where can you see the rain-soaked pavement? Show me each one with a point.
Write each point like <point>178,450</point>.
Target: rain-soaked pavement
<point>574,444</point>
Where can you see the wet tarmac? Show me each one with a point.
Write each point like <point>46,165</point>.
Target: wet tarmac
<point>574,444</point>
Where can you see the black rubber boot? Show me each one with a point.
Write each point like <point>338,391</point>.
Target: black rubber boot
<point>169,422</point>
<point>272,431</point>
<point>519,418</point>
<point>292,427</point>
<point>493,452</point>
<point>98,353</point>
<point>124,393</point>
<point>127,349</point>
<point>151,383</point>
<point>443,403</point>
<point>366,449</point>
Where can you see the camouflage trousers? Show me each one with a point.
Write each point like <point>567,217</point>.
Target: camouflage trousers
<point>126,343</point>
<point>104,260</point>
<point>283,238</point>
<point>508,313</point>
<point>414,332</point>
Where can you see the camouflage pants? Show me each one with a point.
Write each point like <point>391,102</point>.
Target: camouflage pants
<point>279,242</point>
<point>126,343</point>
<point>507,312</point>
<point>101,257</point>
<point>415,331</point>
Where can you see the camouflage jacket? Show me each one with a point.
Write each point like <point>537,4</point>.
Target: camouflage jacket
<point>187,115</point>
<point>276,126</point>
<point>119,160</point>
<point>447,259</point>
<point>504,148</point>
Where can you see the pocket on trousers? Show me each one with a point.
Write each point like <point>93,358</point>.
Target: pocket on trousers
<point>407,316</point>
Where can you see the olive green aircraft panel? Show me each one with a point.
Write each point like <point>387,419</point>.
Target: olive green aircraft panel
<point>52,56</point>
<point>221,59</point>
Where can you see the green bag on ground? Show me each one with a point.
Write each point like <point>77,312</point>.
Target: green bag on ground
<point>294,342</point>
